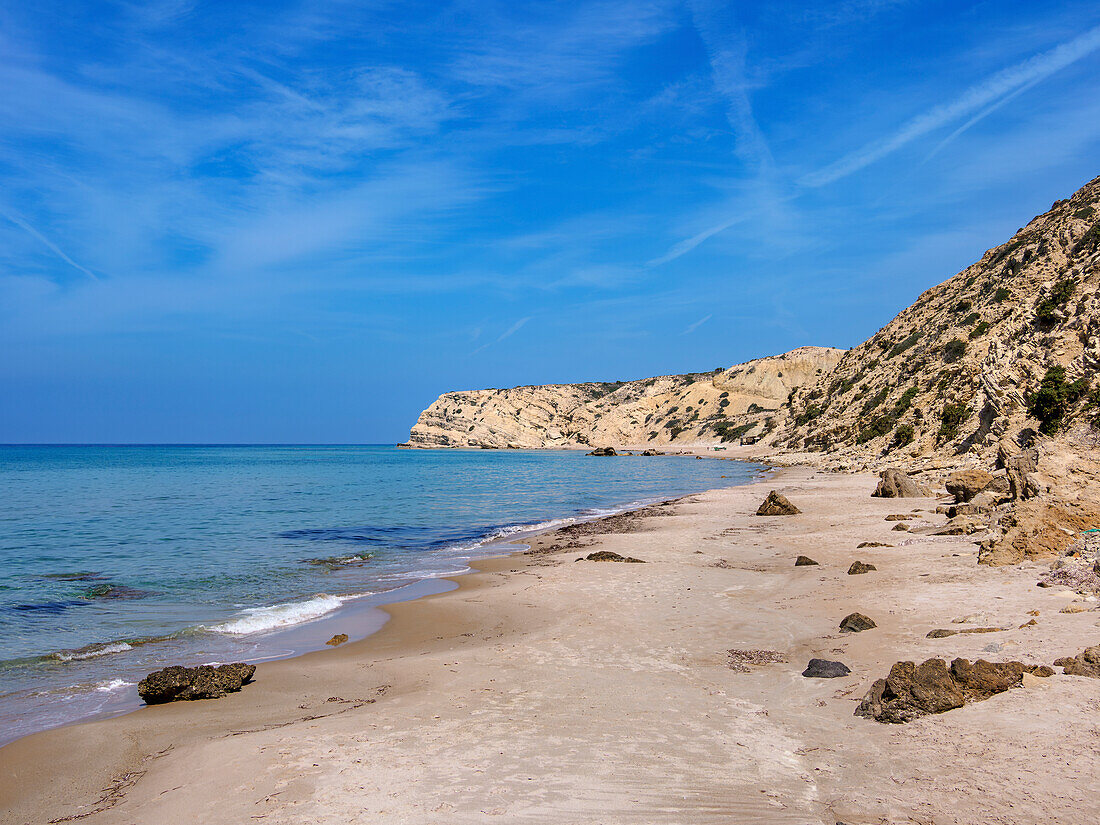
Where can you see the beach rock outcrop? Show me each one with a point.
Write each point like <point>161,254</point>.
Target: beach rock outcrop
<point>856,623</point>
<point>860,567</point>
<point>607,555</point>
<point>337,640</point>
<point>966,484</point>
<point>1020,469</point>
<point>825,669</point>
<point>911,691</point>
<point>804,561</point>
<point>178,683</point>
<point>603,451</point>
<point>776,504</point>
<point>1085,663</point>
<point>893,483</point>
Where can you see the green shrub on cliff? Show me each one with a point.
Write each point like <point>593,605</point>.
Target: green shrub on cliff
<point>952,417</point>
<point>1054,398</point>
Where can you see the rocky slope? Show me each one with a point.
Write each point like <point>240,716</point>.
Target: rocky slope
<point>994,365</point>
<point>672,409</point>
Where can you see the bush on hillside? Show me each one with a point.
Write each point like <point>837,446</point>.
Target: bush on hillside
<point>952,417</point>
<point>1053,400</point>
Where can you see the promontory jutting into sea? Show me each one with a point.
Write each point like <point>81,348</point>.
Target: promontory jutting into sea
<point>617,412</point>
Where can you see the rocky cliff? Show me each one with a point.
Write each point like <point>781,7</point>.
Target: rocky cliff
<point>725,405</point>
<point>993,370</point>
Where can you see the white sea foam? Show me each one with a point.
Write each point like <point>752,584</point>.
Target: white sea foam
<point>92,651</point>
<point>540,527</point>
<point>259,619</point>
<point>112,685</point>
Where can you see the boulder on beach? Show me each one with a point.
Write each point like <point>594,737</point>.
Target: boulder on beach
<point>863,544</point>
<point>607,555</point>
<point>603,451</point>
<point>337,640</point>
<point>1085,663</point>
<point>860,567</point>
<point>178,683</point>
<point>856,623</point>
<point>804,561</point>
<point>825,669</point>
<point>911,691</point>
<point>893,483</point>
<point>777,504</point>
<point>966,484</point>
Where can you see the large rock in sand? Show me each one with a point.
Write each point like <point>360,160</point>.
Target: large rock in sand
<point>893,483</point>
<point>178,683</point>
<point>776,504</point>
<point>825,669</point>
<point>856,623</point>
<point>966,484</point>
<point>1085,663</point>
<point>911,691</point>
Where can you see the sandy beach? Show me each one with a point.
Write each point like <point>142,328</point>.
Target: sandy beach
<point>546,689</point>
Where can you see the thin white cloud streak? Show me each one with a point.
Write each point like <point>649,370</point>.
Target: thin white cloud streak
<point>54,248</point>
<point>974,99</point>
<point>508,333</point>
<point>512,330</point>
<point>692,327</point>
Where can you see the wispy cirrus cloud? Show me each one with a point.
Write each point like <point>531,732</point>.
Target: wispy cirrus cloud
<point>982,98</point>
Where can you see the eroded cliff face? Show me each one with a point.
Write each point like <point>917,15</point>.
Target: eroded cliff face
<point>671,409</point>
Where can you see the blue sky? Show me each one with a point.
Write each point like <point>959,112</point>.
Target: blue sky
<point>269,222</point>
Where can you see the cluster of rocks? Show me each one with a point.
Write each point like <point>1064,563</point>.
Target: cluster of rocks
<point>1079,568</point>
<point>893,483</point>
<point>603,451</point>
<point>178,683</point>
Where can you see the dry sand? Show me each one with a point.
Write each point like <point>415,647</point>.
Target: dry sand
<point>550,690</point>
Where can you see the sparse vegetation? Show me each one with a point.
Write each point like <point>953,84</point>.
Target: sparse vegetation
<point>807,415</point>
<point>903,345</point>
<point>1054,399</point>
<point>1002,294</point>
<point>877,426</point>
<point>1085,213</point>
<point>1061,293</point>
<point>728,432</point>
<point>954,349</point>
<point>874,401</point>
<point>979,330</point>
<point>1090,241</point>
<point>903,435</point>
<point>952,417</point>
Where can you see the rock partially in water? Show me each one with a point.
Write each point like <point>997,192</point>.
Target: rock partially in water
<point>825,669</point>
<point>176,683</point>
<point>607,555</point>
<point>603,451</point>
<point>776,504</point>
<point>117,592</point>
<point>804,561</point>
<point>856,623</point>
<point>337,640</point>
<point>860,567</point>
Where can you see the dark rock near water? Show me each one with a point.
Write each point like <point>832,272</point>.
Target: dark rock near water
<point>116,592</point>
<point>603,451</point>
<point>893,483</point>
<point>777,504</point>
<point>911,691</point>
<point>825,669</point>
<point>804,561</point>
<point>178,683</point>
<point>607,555</point>
<point>337,640</point>
<point>651,452</point>
<point>863,544</point>
<point>856,623</point>
<point>860,567</point>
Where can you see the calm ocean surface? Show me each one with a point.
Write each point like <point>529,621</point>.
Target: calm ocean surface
<point>118,560</point>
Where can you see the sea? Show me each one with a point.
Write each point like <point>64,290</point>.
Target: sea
<point>119,560</point>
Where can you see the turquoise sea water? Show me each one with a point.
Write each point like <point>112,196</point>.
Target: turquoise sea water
<point>118,560</point>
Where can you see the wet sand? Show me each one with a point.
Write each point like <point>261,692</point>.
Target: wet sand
<point>549,690</point>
